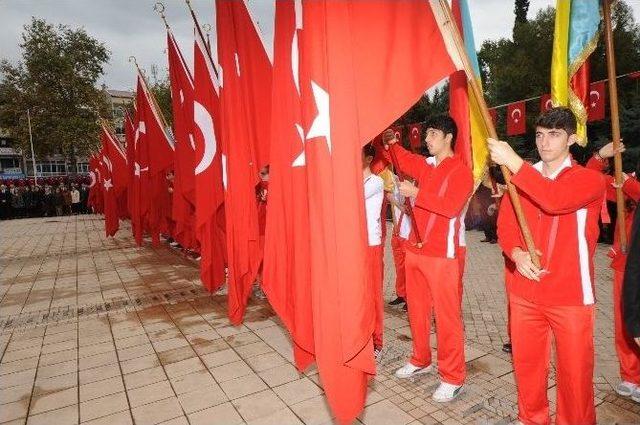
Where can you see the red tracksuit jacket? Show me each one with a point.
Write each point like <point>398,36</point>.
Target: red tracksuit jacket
<point>562,214</point>
<point>444,191</point>
<point>631,190</point>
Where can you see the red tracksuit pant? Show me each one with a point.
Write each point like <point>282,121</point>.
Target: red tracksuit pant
<point>374,268</point>
<point>572,327</point>
<point>462,262</point>
<point>397,249</point>
<point>627,350</point>
<point>433,284</point>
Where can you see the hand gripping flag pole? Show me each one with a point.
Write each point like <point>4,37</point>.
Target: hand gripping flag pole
<point>386,137</point>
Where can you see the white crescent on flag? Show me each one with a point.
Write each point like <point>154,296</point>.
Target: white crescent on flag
<point>203,120</point>
<point>515,112</point>
<point>415,132</point>
<point>594,102</point>
<point>548,104</point>
<point>92,176</point>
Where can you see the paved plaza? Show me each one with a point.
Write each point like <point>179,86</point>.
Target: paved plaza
<point>95,330</point>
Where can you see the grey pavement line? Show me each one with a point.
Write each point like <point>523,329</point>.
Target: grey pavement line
<point>45,317</point>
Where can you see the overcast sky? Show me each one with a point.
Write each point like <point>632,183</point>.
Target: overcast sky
<point>131,27</point>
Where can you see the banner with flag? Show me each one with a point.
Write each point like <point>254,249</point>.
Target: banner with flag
<point>286,253</point>
<point>415,136</point>
<point>95,198</point>
<point>114,178</point>
<point>154,158</point>
<point>471,143</point>
<point>516,118</point>
<point>575,37</point>
<point>209,167</point>
<point>545,102</point>
<point>245,123</point>
<point>597,101</point>
<point>348,94</point>
<point>183,205</point>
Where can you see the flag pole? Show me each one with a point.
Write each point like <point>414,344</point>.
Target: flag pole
<point>33,155</point>
<point>484,109</point>
<point>152,98</point>
<point>615,123</point>
<point>199,30</point>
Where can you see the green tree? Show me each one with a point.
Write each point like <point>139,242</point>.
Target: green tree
<point>160,87</point>
<point>56,80</point>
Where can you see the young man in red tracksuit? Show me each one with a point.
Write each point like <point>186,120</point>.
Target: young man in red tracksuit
<point>626,348</point>
<point>561,202</point>
<point>444,184</point>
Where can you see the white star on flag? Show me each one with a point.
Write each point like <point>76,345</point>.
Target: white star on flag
<point>321,126</point>
<point>107,184</point>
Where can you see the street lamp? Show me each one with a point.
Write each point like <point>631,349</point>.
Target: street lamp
<point>33,155</point>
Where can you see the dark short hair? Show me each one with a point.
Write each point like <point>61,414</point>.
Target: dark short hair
<point>560,118</point>
<point>369,150</point>
<point>446,124</point>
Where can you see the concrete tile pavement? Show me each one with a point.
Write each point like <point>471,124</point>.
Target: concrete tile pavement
<point>94,330</point>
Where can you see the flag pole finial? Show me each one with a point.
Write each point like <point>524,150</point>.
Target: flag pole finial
<point>159,7</point>
<point>189,5</point>
<point>132,59</point>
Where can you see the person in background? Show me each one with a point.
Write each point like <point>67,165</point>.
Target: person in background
<point>631,288</point>
<point>5,203</point>
<point>75,199</point>
<point>58,202</point>
<point>66,200</point>
<point>626,349</point>
<point>17,202</point>
<point>373,197</point>
<point>84,198</point>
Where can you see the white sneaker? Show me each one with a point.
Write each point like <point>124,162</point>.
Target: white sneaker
<point>636,395</point>
<point>446,392</point>
<point>626,389</point>
<point>410,370</point>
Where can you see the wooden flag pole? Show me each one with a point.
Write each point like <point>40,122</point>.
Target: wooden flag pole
<point>615,123</point>
<point>484,109</point>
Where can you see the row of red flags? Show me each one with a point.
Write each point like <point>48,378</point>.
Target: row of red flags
<point>306,110</point>
<point>516,112</point>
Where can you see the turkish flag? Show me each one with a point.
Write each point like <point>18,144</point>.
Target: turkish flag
<point>209,167</point>
<point>516,122</point>
<point>114,179</point>
<point>349,94</point>
<point>129,143</point>
<point>494,115</point>
<point>95,199</point>
<point>286,252</point>
<point>183,207</point>
<point>159,152</point>
<point>545,103</point>
<point>597,99</point>
<point>245,122</point>
<point>415,136</point>
<point>139,173</point>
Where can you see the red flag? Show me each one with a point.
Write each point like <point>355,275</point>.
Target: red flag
<point>245,128</point>
<point>129,137</point>
<point>209,168</point>
<point>634,75</point>
<point>286,251</point>
<point>415,136</point>
<point>349,95</point>
<point>95,199</point>
<point>516,122</point>
<point>159,152</point>
<point>545,102</point>
<point>494,115</point>
<point>183,211</point>
<point>114,179</point>
<point>139,171</point>
<point>597,99</point>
